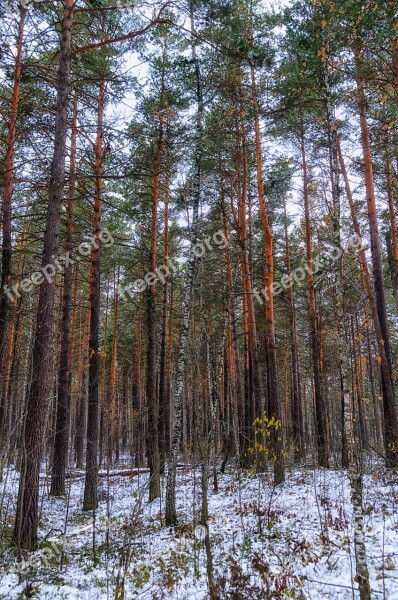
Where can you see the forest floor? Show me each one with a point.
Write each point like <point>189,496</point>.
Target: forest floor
<point>293,541</point>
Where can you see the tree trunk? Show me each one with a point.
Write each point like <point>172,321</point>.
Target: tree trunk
<point>104,400</point>
<point>26,523</point>
<point>7,213</point>
<point>354,457</point>
<point>378,430</point>
<point>81,401</point>
<point>237,400</point>
<point>320,408</point>
<point>137,396</point>
<point>152,442</point>
<point>356,358</point>
<point>354,449</point>
<point>390,413</point>
<point>297,404</point>
<point>171,513</point>
<point>91,479</point>
<point>61,441</point>
<point>253,397</point>
<point>8,423</point>
<point>164,408</point>
<point>274,408</point>
<point>392,235</point>
<point>113,417</point>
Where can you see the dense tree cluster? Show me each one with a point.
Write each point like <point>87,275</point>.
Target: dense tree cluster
<point>199,240</point>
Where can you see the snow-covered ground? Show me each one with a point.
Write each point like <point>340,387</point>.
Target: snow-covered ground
<point>294,541</point>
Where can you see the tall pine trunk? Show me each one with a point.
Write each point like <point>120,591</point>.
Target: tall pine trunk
<point>7,213</point>
<point>392,235</point>
<point>354,448</point>
<point>320,405</point>
<point>26,523</point>
<point>385,363</point>
<point>254,404</point>
<point>91,479</point>
<point>164,408</point>
<point>60,451</point>
<point>274,408</point>
<point>136,393</point>
<point>113,416</point>
<point>81,395</point>
<point>152,441</point>
<point>234,371</point>
<point>390,411</point>
<point>297,403</point>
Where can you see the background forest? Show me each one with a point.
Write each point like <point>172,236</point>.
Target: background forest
<point>198,299</point>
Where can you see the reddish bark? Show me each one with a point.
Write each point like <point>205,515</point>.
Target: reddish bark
<point>274,408</point>
<point>254,402</point>
<point>91,480</point>
<point>26,523</point>
<point>7,211</point>
<point>81,400</point>
<point>389,410</point>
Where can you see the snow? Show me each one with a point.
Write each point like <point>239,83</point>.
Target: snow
<point>293,541</point>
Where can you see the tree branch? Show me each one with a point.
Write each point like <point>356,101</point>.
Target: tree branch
<point>122,38</point>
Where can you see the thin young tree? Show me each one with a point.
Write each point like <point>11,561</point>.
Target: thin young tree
<point>170,510</point>
<point>92,435</point>
<point>152,442</point>
<point>320,408</point>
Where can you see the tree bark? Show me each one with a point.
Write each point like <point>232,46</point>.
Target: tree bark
<point>171,512</point>
<point>26,523</point>
<point>60,451</point>
<point>274,408</point>
<point>320,408</point>
<point>164,408</point>
<point>386,372</point>
<point>237,400</point>
<point>104,396</point>
<point>152,442</point>
<point>297,404</point>
<point>90,501</point>
<point>390,412</point>
<point>254,404</point>
<point>138,430</point>
<point>354,447</point>
<point>113,416</point>
<point>81,401</point>
<point>7,212</point>
<point>392,235</point>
